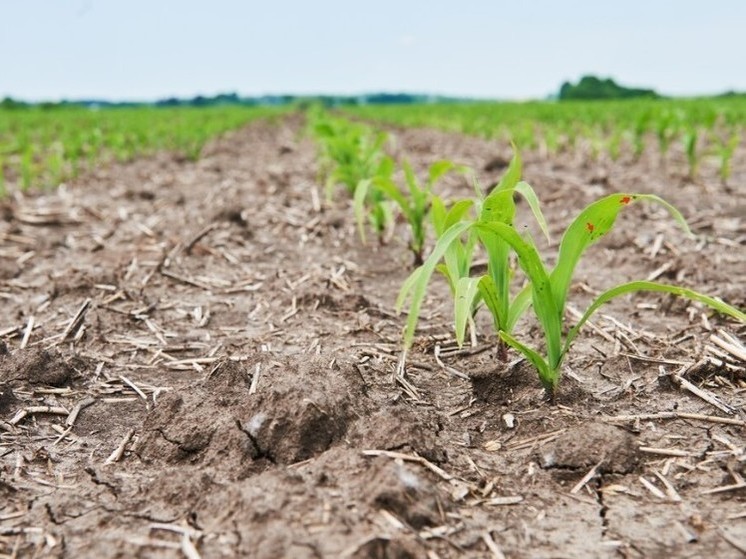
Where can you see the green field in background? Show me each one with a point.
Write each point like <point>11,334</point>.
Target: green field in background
<point>560,125</point>
<point>41,147</point>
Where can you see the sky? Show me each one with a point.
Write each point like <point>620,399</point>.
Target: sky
<point>151,49</point>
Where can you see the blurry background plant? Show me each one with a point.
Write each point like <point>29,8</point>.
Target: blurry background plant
<point>43,146</point>
<point>349,152</point>
<point>587,128</point>
<point>725,145</point>
<point>414,201</point>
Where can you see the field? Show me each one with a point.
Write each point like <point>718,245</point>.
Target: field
<point>41,147</point>
<point>199,357</point>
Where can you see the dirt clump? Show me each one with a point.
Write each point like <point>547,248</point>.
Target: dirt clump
<point>38,367</point>
<point>613,449</point>
<point>300,408</point>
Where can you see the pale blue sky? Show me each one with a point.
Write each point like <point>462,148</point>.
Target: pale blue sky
<point>140,49</point>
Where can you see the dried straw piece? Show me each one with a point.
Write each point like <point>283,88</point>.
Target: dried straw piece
<point>665,451</point>
<point>411,458</point>
<point>492,546</point>
<point>697,391</point>
<point>53,410</point>
<point>586,478</point>
<point>674,415</point>
<point>186,545</point>
<point>652,488</point>
<point>119,451</point>
<point>27,332</point>
<point>76,321</point>
<point>84,403</point>
<point>730,344</point>
<point>255,379</point>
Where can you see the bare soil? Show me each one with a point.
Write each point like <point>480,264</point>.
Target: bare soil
<point>198,359</point>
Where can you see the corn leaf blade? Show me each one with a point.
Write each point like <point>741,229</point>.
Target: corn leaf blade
<point>542,294</point>
<point>549,377</point>
<point>525,190</point>
<point>634,286</point>
<point>361,193</point>
<point>595,221</point>
<point>418,286</point>
<point>467,290</point>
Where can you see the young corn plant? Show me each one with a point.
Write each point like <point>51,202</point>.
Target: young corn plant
<point>689,140</point>
<point>493,288</point>
<point>350,152</point>
<point>724,147</point>
<point>639,132</point>
<point>414,202</point>
<point>666,130</point>
<point>373,201</point>
<point>547,290</point>
<point>458,257</point>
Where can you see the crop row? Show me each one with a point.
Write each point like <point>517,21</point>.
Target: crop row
<point>352,154</point>
<point>711,127</point>
<point>40,148</point>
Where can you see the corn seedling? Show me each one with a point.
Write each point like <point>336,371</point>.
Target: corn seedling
<point>27,167</point>
<point>690,148</point>
<point>546,292</point>
<point>494,287</point>
<point>370,195</point>
<point>549,289</point>
<point>666,132</point>
<point>614,145</point>
<point>414,202</point>
<point>350,152</point>
<point>725,146</point>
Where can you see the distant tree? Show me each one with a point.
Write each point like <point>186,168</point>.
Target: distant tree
<point>592,87</point>
<point>168,102</point>
<point>10,103</point>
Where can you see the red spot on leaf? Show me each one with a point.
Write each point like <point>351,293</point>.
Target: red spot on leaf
<point>590,227</point>
<point>625,200</point>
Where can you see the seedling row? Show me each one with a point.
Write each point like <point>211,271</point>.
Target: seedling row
<point>701,129</point>
<point>518,280</point>
<point>42,147</point>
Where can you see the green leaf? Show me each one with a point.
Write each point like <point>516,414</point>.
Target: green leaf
<point>443,269</point>
<point>549,376</point>
<point>513,174</point>
<point>361,193</point>
<point>467,290</point>
<point>518,306</point>
<point>491,299</point>
<point>499,205</point>
<point>525,190</point>
<point>457,212</point>
<point>498,264</point>
<point>438,215</point>
<point>634,286</point>
<point>438,170</point>
<point>542,295</point>
<point>406,288</point>
<point>418,287</point>
<point>385,168</point>
<point>390,189</point>
<point>410,178</point>
<point>594,222</point>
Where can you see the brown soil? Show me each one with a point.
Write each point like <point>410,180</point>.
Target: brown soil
<point>206,361</point>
